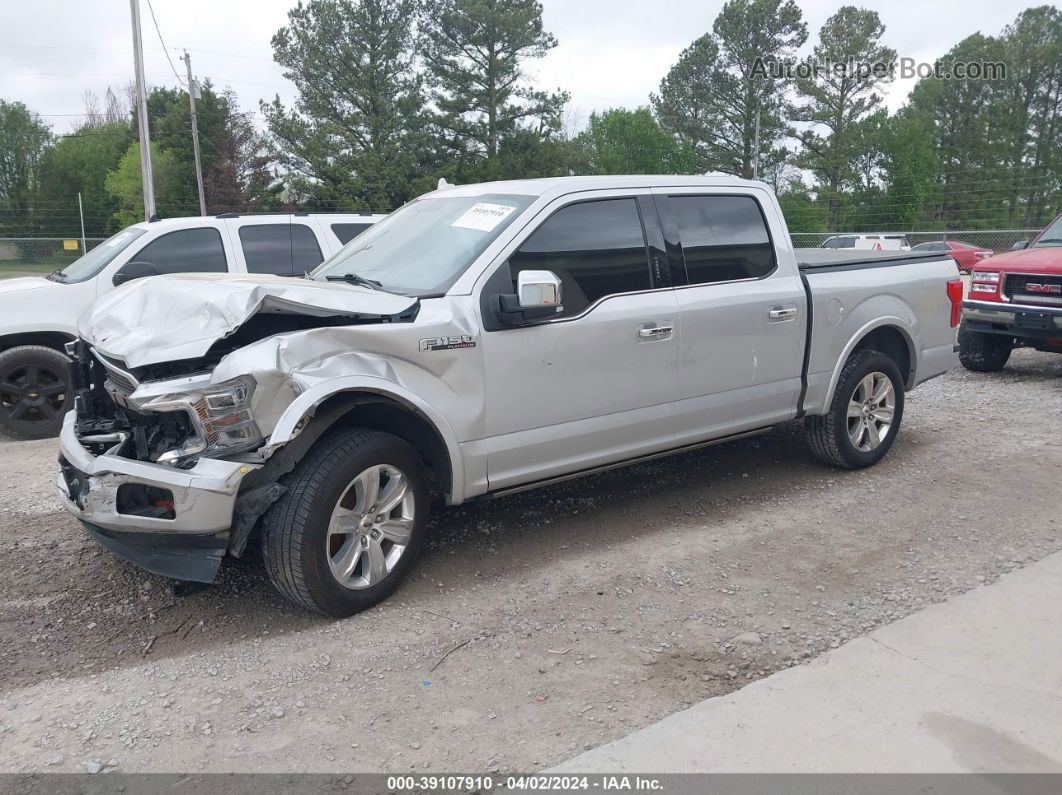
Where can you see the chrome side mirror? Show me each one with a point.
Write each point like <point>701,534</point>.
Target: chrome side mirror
<point>1020,245</point>
<point>539,290</point>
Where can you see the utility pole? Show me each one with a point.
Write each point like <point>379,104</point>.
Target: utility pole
<point>756,146</point>
<point>81,212</point>
<point>195,133</point>
<point>141,114</point>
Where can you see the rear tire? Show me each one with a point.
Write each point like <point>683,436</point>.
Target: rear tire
<point>983,353</point>
<point>864,416</point>
<point>322,546</point>
<point>34,392</point>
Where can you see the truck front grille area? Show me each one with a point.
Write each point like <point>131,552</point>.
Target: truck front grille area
<point>106,423</point>
<point>1033,288</point>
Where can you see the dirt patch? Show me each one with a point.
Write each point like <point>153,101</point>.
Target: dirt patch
<point>534,626</point>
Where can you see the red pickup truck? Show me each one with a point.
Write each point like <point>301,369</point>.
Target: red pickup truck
<point>1015,300</point>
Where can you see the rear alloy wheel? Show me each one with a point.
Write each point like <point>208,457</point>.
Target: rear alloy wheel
<point>864,415</point>
<point>34,392</point>
<point>870,411</point>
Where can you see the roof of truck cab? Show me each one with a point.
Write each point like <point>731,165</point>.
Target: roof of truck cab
<point>562,185</point>
<point>197,220</point>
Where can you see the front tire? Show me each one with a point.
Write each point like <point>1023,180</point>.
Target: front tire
<point>983,353</point>
<point>350,525</point>
<point>34,392</point>
<point>864,416</point>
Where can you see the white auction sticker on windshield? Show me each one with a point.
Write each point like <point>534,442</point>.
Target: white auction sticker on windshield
<point>483,216</point>
<point>119,239</point>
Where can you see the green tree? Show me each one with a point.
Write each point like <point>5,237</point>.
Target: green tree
<point>713,96</point>
<point>23,141</point>
<point>802,213</point>
<point>967,120</point>
<point>474,52</point>
<point>838,98</point>
<point>1033,53</point>
<point>356,137</point>
<point>622,141</point>
<point>124,183</point>
<point>235,156</point>
<point>79,163</point>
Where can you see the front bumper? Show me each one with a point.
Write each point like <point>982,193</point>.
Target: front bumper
<point>1013,320</point>
<point>203,500</point>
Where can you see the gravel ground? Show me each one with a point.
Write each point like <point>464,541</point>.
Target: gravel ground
<point>535,626</point>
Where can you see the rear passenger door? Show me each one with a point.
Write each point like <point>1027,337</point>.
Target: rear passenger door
<point>742,319</point>
<point>278,246</point>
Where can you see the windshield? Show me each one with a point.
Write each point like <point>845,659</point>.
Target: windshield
<point>1052,236</point>
<point>84,268</point>
<point>424,247</point>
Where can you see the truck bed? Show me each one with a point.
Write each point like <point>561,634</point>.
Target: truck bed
<point>820,259</point>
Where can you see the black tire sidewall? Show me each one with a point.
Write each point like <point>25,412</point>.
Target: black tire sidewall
<point>330,597</point>
<point>55,363</point>
<point>869,362</point>
<point>983,353</point>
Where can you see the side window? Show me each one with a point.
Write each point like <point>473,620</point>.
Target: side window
<point>845,242</point>
<point>267,248</point>
<point>185,251</point>
<point>723,238</point>
<point>597,248</point>
<point>347,232</point>
<point>305,252</point>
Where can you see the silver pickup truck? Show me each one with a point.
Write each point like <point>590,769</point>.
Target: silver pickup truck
<point>481,340</point>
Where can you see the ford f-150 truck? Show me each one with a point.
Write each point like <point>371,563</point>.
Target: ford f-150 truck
<point>38,314</point>
<point>1015,301</point>
<point>481,340</point>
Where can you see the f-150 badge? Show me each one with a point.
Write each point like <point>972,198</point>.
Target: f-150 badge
<point>447,343</point>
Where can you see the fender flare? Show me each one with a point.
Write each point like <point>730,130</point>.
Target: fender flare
<point>307,403</point>
<point>891,321</point>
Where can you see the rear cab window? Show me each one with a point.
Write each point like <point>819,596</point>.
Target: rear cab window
<point>723,238</point>
<point>345,232</point>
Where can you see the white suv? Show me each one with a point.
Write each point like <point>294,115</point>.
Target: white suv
<point>38,315</point>
<point>881,242</point>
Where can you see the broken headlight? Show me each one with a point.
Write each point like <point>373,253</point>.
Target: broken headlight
<point>220,413</point>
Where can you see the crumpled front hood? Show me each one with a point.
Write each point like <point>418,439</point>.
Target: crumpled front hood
<point>24,283</point>
<point>179,316</point>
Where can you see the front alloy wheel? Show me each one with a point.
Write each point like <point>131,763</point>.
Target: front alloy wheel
<point>348,528</point>
<point>371,527</point>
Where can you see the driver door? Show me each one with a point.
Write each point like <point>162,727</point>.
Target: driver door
<point>596,383</point>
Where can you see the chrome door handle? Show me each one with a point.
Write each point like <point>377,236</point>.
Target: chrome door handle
<point>779,313</point>
<point>651,331</point>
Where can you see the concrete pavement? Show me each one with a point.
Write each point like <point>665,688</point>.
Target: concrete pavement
<point>973,684</point>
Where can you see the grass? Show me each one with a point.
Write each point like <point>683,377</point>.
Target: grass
<point>14,268</point>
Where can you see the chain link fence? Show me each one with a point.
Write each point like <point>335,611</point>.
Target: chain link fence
<point>27,256</point>
<point>999,240</point>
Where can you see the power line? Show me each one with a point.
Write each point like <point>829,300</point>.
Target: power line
<point>165,50</point>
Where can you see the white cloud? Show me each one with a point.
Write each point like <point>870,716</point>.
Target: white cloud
<point>612,52</point>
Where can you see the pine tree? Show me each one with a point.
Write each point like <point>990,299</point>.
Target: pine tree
<point>356,137</point>
<point>474,51</point>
